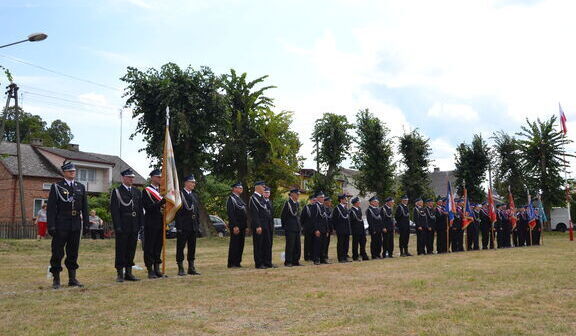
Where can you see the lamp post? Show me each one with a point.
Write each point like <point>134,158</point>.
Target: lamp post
<point>31,38</point>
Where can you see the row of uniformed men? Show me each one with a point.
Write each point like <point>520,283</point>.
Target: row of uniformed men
<point>131,209</point>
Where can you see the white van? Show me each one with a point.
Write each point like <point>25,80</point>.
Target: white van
<point>559,219</point>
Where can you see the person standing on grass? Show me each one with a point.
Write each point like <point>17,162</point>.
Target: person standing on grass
<point>290,219</point>
<point>96,225</point>
<point>260,217</point>
<point>41,222</point>
<point>269,229</point>
<point>375,226</point>
<point>66,215</point>
<point>522,226</point>
<point>187,226</point>
<point>456,233</point>
<point>473,240</point>
<point>341,218</point>
<point>402,217</point>
<point>308,218</point>
<point>153,204</point>
<point>328,210</point>
<point>441,226</point>
<point>419,216</point>
<point>486,227</point>
<point>358,231</point>
<point>238,225</point>
<point>321,231</point>
<point>127,217</point>
<point>388,236</point>
<point>431,220</point>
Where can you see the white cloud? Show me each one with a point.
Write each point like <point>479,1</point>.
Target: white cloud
<point>455,112</point>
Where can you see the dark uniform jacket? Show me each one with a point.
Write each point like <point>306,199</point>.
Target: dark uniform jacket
<point>431,217</point>
<point>289,217</point>
<point>260,215</point>
<point>323,222</point>
<point>457,223</point>
<point>356,222</point>
<point>309,217</point>
<point>65,205</point>
<point>329,220</point>
<point>501,220</point>
<point>477,220</point>
<point>420,218</point>
<point>237,213</point>
<point>341,220</point>
<point>374,218</point>
<point>127,213</point>
<point>402,217</point>
<point>188,216</point>
<point>485,223</point>
<point>153,210</point>
<point>441,218</point>
<point>387,218</point>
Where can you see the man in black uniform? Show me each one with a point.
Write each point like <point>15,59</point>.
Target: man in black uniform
<point>153,204</point>
<point>291,225</point>
<point>402,217</point>
<point>308,227</point>
<point>321,226</point>
<point>375,226</point>
<point>522,226</point>
<point>441,226</point>
<point>537,230</point>
<point>486,227</point>
<point>187,226</point>
<point>260,217</point>
<point>127,217</point>
<point>328,208</point>
<point>388,236</point>
<point>67,213</point>
<point>269,229</point>
<point>358,232</point>
<point>431,220</point>
<point>474,228</point>
<point>421,221</point>
<point>237,216</point>
<point>456,232</point>
<point>341,220</point>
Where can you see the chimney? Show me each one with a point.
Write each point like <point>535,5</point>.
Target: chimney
<point>36,142</point>
<point>436,169</point>
<point>74,147</point>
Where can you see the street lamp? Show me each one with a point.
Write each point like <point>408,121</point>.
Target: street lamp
<point>31,38</point>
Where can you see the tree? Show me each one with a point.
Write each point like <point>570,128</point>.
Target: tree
<point>508,171</point>
<point>415,151</point>
<point>60,133</point>
<point>33,127</point>
<point>373,157</point>
<point>543,159</point>
<point>471,166</point>
<point>332,136</point>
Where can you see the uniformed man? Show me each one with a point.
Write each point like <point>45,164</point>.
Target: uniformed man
<point>328,208</point>
<point>441,226</point>
<point>402,217</point>
<point>153,204</point>
<point>187,226</point>
<point>67,213</point>
<point>456,232</point>
<point>389,227</point>
<point>431,220</point>
<point>269,229</point>
<point>473,233</point>
<point>322,225</point>
<point>375,227</point>
<point>486,227</point>
<point>290,219</point>
<point>501,223</point>
<point>260,217</point>
<point>127,217</point>
<point>237,217</point>
<point>421,221</point>
<point>341,220</point>
<point>308,219</point>
<point>522,226</point>
<point>537,230</point>
<point>515,213</point>
<point>358,232</point>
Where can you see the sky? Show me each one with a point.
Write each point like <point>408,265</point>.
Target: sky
<point>449,68</point>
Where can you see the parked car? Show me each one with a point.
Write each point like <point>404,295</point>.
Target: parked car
<point>278,229</point>
<point>559,219</point>
<point>171,231</point>
<point>219,225</point>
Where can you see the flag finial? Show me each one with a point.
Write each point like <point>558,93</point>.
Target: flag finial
<point>167,115</point>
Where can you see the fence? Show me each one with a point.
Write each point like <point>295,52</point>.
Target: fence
<point>11,230</point>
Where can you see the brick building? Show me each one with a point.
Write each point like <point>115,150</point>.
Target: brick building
<point>41,168</point>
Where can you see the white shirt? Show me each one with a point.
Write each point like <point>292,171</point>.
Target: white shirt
<point>69,182</point>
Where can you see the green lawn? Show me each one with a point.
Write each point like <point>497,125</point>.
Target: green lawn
<point>518,291</point>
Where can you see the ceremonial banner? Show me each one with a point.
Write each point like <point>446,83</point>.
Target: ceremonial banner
<point>170,187</point>
<point>512,209</point>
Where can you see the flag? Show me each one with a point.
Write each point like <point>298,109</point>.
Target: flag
<point>450,207</point>
<point>170,187</point>
<point>491,207</point>
<point>562,120</point>
<point>512,209</point>
<point>531,213</point>
<point>541,212</point>
<point>467,213</point>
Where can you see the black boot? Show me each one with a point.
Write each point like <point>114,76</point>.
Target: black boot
<point>120,276</point>
<point>181,269</point>
<point>408,253</point>
<point>72,281</point>
<point>56,280</point>
<point>128,276</point>
<point>151,274</point>
<point>192,269</point>
<point>157,271</point>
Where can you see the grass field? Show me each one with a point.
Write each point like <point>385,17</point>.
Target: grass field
<point>519,291</point>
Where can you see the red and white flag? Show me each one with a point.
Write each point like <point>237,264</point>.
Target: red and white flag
<point>562,120</point>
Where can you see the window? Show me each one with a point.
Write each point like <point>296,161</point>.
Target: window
<point>38,205</point>
<point>46,186</point>
<point>86,175</point>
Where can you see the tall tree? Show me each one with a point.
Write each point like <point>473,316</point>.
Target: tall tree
<point>244,104</point>
<point>508,172</point>
<point>332,136</point>
<point>60,133</point>
<point>33,127</point>
<point>542,157</point>
<point>415,151</point>
<point>471,166</point>
<point>373,157</point>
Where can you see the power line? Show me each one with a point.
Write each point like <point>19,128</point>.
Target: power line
<point>69,100</point>
<point>60,73</point>
<point>64,105</point>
